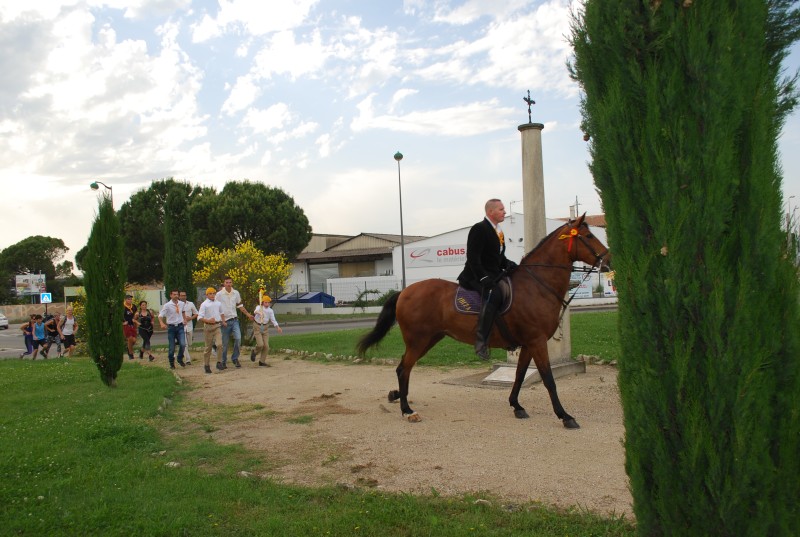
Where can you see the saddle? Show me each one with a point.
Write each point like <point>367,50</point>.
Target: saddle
<point>468,301</point>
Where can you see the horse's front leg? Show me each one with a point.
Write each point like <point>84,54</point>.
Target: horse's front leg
<point>522,367</point>
<point>542,360</point>
<point>403,374</point>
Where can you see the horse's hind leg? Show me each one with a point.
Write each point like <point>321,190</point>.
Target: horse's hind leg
<point>403,371</point>
<point>403,374</point>
<point>522,366</point>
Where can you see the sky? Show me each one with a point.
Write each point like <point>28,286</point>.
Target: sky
<point>311,96</point>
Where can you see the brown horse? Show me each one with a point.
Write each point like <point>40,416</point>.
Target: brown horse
<point>426,314</point>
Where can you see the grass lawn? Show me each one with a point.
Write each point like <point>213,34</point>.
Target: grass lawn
<point>592,334</point>
<point>83,459</point>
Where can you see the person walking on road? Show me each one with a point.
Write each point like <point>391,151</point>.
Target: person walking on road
<point>68,329</point>
<point>53,334</point>
<point>39,336</point>
<point>263,314</point>
<point>211,317</point>
<point>231,300</point>
<point>129,325</point>
<point>189,314</point>
<point>27,334</point>
<point>171,318</point>
<point>144,320</point>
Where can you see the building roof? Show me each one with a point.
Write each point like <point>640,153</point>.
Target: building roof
<point>361,247</point>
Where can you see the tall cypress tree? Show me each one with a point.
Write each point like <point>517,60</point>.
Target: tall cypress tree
<point>179,252</point>
<point>104,280</point>
<point>684,102</point>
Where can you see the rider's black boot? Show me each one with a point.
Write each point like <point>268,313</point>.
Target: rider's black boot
<point>485,323</point>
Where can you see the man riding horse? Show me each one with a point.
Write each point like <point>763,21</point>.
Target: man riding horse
<point>486,264</point>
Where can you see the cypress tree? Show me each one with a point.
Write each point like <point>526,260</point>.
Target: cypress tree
<point>684,101</point>
<point>178,250</point>
<point>104,280</point>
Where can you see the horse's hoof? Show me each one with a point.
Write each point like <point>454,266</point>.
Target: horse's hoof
<point>521,414</point>
<point>571,424</point>
<point>394,395</point>
<point>413,417</point>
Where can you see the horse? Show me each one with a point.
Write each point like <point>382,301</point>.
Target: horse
<point>426,313</point>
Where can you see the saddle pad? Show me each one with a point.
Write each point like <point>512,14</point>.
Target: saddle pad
<point>469,301</point>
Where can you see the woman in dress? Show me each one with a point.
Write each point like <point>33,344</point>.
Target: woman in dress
<point>144,320</point>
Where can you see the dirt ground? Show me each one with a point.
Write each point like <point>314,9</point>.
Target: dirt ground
<point>331,423</point>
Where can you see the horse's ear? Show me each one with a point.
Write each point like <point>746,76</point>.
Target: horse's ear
<point>580,220</point>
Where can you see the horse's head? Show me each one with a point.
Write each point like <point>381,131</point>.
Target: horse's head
<point>582,244</point>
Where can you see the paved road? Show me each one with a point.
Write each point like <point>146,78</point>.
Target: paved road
<point>11,343</point>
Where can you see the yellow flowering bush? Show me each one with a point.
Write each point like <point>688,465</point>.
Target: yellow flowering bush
<point>249,268</point>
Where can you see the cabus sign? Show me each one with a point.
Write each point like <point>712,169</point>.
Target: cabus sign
<point>437,256</point>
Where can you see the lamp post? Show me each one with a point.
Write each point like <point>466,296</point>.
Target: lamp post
<point>96,185</point>
<point>398,157</point>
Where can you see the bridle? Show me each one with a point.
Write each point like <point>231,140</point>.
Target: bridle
<point>570,236</point>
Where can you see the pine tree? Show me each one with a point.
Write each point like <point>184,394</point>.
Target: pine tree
<point>683,101</point>
<point>104,280</point>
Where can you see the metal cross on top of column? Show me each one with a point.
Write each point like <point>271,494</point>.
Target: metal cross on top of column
<point>530,102</point>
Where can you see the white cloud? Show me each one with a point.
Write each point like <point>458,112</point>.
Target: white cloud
<point>517,49</point>
<point>284,55</point>
<point>108,107</point>
<point>273,118</point>
<point>254,17</point>
<point>466,120</point>
<point>243,94</point>
<point>399,95</point>
<point>323,144</point>
<point>473,10</point>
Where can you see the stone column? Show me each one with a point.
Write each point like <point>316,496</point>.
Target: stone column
<point>533,208</point>
<point>535,229</point>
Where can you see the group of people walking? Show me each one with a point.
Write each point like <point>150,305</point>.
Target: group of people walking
<point>218,317</point>
<point>41,332</point>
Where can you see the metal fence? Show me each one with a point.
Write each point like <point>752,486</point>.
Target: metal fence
<point>347,290</point>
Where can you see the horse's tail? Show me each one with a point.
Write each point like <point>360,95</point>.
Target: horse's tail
<point>386,320</point>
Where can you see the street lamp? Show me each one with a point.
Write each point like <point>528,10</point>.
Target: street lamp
<point>96,185</point>
<point>398,157</point>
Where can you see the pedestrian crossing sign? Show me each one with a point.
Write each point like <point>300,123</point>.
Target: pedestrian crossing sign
<point>46,298</point>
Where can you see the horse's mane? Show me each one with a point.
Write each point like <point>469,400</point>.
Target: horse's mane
<point>545,239</point>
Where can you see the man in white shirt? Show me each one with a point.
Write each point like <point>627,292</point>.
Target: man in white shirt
<point>231,300</point>
<point>263,314</point>
<point>171,318</point>
<point>211,317</point>
<point>189,315</point>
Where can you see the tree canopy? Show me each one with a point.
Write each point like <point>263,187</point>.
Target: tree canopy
<point>33,255</point>
<point>243,211</point>
<point>267,216</point>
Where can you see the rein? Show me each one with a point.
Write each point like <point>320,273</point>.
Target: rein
<point>573,234</point>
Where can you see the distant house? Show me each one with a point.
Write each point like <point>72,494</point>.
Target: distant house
<point>343,256</point>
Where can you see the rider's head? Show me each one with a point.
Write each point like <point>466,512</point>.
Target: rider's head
<point>495,211</point>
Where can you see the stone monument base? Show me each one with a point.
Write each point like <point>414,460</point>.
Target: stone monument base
<point>503,373</point>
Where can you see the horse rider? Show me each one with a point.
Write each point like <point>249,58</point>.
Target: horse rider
<point>486,264</point>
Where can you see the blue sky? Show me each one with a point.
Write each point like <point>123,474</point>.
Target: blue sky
<point>311,96</point>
